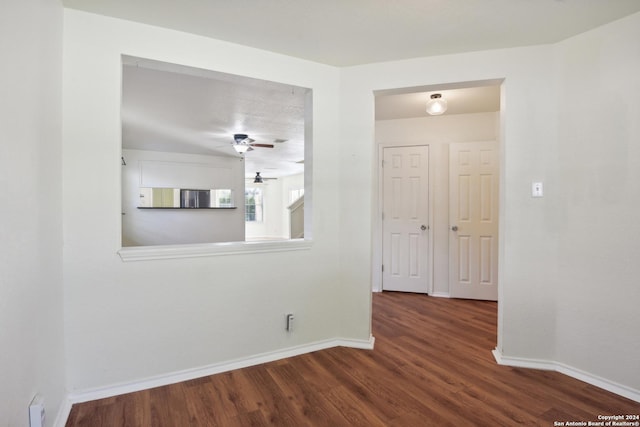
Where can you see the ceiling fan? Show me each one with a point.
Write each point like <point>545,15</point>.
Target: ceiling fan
<point>259,179</point>
<point>242,143</point>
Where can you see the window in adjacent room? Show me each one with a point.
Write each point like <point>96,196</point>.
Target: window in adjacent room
<point>253,205</point>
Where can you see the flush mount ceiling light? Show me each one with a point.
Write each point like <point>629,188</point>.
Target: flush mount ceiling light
<point>436,105</point>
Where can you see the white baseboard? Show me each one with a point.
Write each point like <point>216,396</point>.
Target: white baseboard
<point>613,387</point>
<point>433,294</point>
<point>216,368</point>
<point>440,294</point>
<point>63,413</point>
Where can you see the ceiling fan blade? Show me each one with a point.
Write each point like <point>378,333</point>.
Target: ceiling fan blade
<point>262,145</point>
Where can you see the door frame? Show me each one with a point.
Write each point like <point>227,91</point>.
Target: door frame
<point>377,254</point>
<point>376,230</point>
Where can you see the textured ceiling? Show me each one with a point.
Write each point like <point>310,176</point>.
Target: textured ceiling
<point>174,108</point>
<point>350,32</point>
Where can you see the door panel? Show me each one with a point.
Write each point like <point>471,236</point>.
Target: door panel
<point>405,245</point>
<point>473,220</point>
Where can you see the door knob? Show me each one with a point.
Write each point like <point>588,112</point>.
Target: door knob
<point>423,227</point>
<point>454,228</point>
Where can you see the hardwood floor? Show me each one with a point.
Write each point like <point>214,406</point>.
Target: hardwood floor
<point>432,366</point>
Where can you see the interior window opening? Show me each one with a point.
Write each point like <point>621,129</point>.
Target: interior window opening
<point>208,157</point>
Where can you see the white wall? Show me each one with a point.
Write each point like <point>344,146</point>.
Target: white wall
<point>595,210</point>
<point>437,132</point>
<point>568,261</point>
<point>141,227</point>
<point>566,281</point>
<point>528,152</point>
<point>130,321</point>
<point>31,317</point>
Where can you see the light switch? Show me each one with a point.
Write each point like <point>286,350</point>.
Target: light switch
<point>536,189</point>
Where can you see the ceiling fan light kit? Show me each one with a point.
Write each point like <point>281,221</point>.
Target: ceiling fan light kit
<point>437,105</point>
<point>243,143</point>
<point>241,148</point>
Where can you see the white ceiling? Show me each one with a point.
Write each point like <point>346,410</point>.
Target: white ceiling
<point>174,108</point>
<point>166,107</point>
<point>412,102</point>
<point>350,32</point>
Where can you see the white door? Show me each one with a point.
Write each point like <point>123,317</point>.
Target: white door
<point>405,219</point>
<point>473,220</point>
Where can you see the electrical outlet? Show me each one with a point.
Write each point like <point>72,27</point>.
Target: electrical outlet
<point>36,412</point>
<point>290,322</point>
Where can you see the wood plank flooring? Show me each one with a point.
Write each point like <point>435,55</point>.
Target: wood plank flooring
<point>432,366</point>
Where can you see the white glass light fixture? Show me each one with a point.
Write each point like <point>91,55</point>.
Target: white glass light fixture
<point>241,143</point>
<point>240,147</point>
<point>436,105</point>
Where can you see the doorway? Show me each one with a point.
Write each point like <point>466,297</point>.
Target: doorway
<point>401,121</point>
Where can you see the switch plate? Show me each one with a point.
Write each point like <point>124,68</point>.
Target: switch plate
<point>536,189</point>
